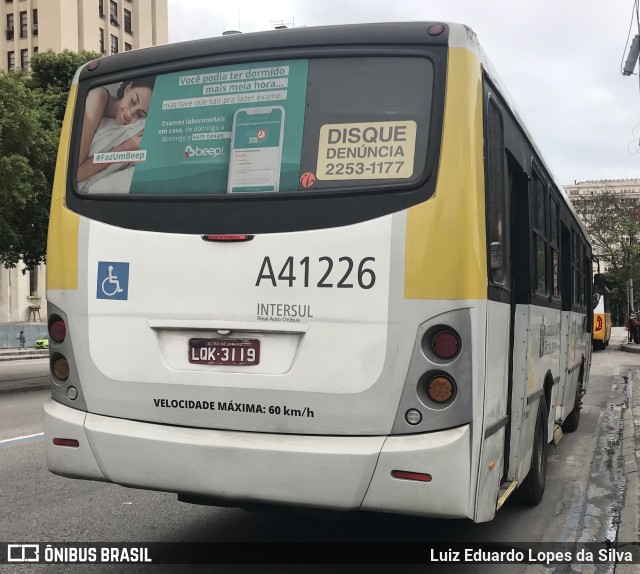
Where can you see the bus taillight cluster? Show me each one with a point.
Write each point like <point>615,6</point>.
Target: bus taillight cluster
<point>442,344</point>
<point>58,333</point>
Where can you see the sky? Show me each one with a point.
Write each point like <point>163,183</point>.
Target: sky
<point>560,60</point>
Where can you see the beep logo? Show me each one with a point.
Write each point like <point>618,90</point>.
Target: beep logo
<point>198,151</point>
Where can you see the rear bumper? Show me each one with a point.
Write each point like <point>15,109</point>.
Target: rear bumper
<point>340,473</point>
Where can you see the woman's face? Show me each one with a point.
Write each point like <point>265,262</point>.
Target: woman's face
<point>134,105</point>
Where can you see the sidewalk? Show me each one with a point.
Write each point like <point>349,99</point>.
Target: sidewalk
<point>19,355</point>
<point>629,526</point>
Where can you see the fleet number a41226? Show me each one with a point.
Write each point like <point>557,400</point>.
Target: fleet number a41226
<point>326,272</point>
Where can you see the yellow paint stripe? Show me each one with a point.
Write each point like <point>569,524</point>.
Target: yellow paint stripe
<point>62,242</point>
<point>445,243</point>
<point>506,494</point>
<point>557,434</point>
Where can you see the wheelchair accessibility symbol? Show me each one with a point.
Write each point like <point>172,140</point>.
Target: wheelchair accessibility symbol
<point>113,280</point>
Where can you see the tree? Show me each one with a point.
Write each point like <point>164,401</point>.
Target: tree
<point>51,75</point>
<point>613,221</point>
<point>31,110</point>
<point>28,141</point>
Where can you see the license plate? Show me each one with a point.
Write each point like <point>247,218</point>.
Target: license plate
<point>224,351</point>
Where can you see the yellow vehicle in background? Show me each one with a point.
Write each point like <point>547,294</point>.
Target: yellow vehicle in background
<point>601,314</point>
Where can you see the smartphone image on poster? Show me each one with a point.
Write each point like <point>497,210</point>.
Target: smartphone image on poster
<point>256,149</point>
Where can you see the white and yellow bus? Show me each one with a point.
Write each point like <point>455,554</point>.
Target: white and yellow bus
<point>601,313</point>
<point>333,271</point>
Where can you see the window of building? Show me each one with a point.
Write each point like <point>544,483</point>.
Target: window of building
<point>113,13</point>
<point>34,21</point>
<point>9,26</point>
<point>24,59</point>
<point>23,24</point>
<point>11,60</point>
<point>33,282</point>
<point>127,47</point>
<point>35,49</point>
<point>9,1</point>
<point>101,8</point>
<point>102,50</point>
<point>114,44</point>
<point>127,22</point>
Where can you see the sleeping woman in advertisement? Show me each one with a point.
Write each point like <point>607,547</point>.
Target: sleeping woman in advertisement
<point>114,118</point>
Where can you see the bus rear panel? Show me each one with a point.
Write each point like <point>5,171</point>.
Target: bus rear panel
<point>267,275</point>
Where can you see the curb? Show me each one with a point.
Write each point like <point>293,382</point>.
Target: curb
<point>627,348</point>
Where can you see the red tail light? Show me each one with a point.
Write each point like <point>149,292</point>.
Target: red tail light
<point>599,323</point>
<point>57,329</point>
<point>446,344</point>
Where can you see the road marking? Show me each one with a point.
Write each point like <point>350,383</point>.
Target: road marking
<point>19,439</point>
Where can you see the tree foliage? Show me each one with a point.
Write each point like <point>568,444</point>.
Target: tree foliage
<point>31,110</point>
<point>51,75</point>
<point>613,221</point>
<point>28,141</point>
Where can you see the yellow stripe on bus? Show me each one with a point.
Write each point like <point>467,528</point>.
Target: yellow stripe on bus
<point>62,241</point>
<point>445,244</point>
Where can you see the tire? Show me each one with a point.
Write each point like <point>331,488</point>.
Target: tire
<point>571,423</point>
<point>532,489</point>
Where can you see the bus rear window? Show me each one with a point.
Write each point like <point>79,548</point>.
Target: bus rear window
<point>267,127</point>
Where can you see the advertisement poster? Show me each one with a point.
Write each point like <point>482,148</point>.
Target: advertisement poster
<point>228,129</point>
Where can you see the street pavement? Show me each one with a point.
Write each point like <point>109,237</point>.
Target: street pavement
<point>28,371</point>
<point>23,370</point>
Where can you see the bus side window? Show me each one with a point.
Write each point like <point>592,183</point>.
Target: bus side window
<point>539,212</point>
<point>497,206</point>
<point>554,243</point>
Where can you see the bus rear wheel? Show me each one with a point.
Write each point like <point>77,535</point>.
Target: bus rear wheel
<point>573,420</point>
<point>532,489</point>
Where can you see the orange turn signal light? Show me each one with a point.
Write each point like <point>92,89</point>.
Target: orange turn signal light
<point>441,389</point>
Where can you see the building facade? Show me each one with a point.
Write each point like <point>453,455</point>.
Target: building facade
<point>584,189</point>
<point>106,26</point>
<point>22,295</point>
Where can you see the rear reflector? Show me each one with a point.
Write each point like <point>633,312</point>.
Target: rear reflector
<point>66,442</point>
<point>406,475</point>
<point>227,237</point>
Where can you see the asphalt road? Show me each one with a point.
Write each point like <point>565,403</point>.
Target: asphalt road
<point>32,373</point>
<point>584,493</point>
